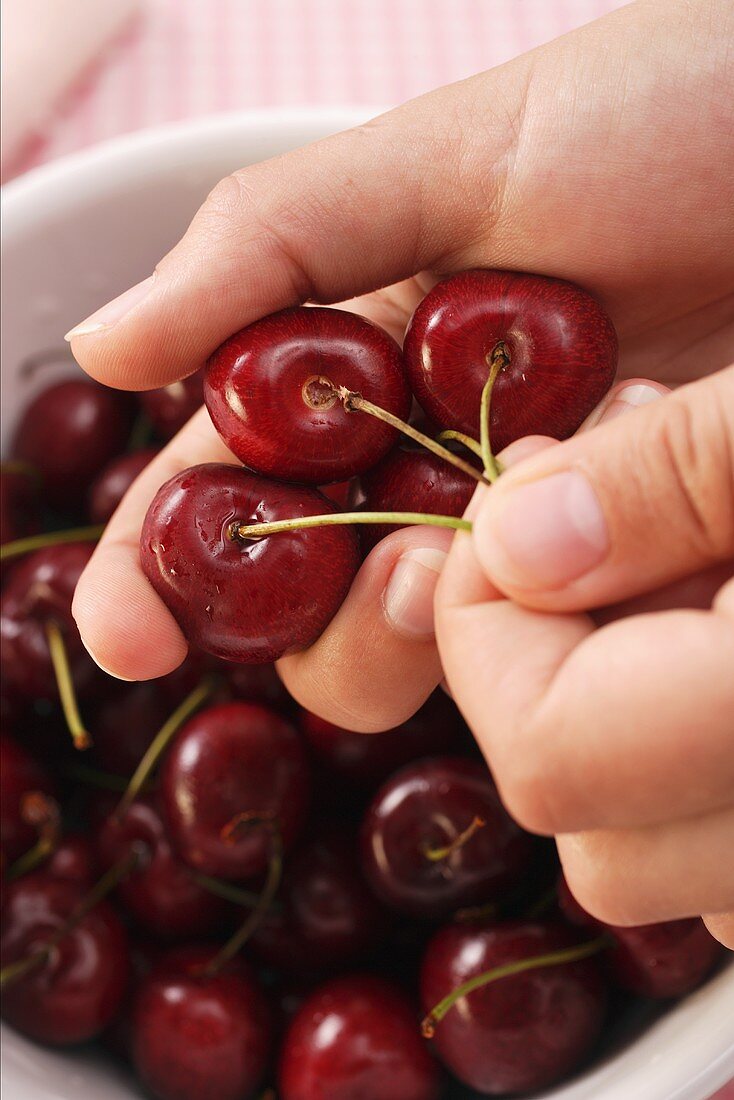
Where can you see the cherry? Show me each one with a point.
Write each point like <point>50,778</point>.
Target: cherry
<point>40,589</point>
<point>18,501</point>
<point>524,1031</point>
<point>356,1036</point>
<point>228,760</point>
<point>160,894</point>
<point>19,774</point>
<point>329,918</point>
<point>72,995</point>
<point>170,407</point>
<point>413,481</point>
<point>555,345</point>
<point>69,433</point>
<point>271,393</point>
<point>257,684</point>
<point>341,493</point>
<point>118,1037</point>
<point>73,859</point>
<point>111,484</point>
<point>661,960</point>
<point>248,600</point>
<point>368,759</point>
<point>125,722</point>
<point>197,1036</point>
<point>436,838</point>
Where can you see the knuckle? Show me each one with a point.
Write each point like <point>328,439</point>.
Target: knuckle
<point>524,790</point>
<point>596,879</point>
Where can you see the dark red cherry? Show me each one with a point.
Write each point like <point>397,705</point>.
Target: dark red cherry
<point>75,993</point>
<point>74,859</point>
<point>199,1037</point>
<point>245,600</point>
<point>19,774</point>
<point>525,1031</point>
<point>18,501</point>
<point>118,1036</point>
<point>329,917</point>
<point>368,759</point>
<point>170,407</point>
<point>342,494</point>
<point>228,760</point>
<point>426,808</point>
<point>413,481</point>
<point>668,959</point>
<point>40,588</point>
<point>69,433</point>
<point>256,684</point>
<point>125,722</point>
<point>354,1037</point>
<point>160,894</point>
<point>270,392</point>
<point>558,346</point>
<point>111,484</point>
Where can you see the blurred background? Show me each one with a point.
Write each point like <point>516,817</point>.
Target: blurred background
<point>80,71</point>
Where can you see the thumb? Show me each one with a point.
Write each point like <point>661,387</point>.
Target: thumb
<point>620,510</point>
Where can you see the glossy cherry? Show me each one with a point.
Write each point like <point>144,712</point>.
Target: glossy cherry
<point>270,391</point>
<point>329,918</point>
<point>522,1032</point>
<point>160,894</point>
<point>356,1036</point>
<point>413,481</point>
<point>228,760</point>
<point>170,407</point>
<point>125,721</point>
<point>74,859</point>
<point>40,588</point>
<point>199,1037</point>
<point>111,484</point>
<point>256,684</point>
<point>75,993</point>
<point>668,959</point>
<point>557,345</point>
<point>368,759</point>
<point>19,774</point>
<point>250,600</point>
<point>426,807</point>
<point>19,506</point>
<point>69,433</point>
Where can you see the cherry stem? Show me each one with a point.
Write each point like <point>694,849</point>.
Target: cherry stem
<point>41,811</point>
<point>247,532</point>
<point>499,359</point>
<point>476,913</point>
<point>65,682</point>
<point>94,777</point>
<point>472,445</point>
<point>354,402</point>
<point>18,547</point>
<point>109,880</point>
<point>267,897</point>
<point>160,743</point>
<point>438,854</point>
<point>519,966</point>
<point>227,890</point>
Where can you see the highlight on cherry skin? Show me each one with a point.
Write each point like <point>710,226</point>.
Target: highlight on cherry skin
<point>223,891</point>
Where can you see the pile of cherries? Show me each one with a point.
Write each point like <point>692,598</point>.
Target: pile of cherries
<point>233,896</point>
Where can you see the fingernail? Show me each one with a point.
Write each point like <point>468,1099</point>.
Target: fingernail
<point>628,398</point>
<point>543,534</point>
<point>408,597</point>
<point>114,311</point>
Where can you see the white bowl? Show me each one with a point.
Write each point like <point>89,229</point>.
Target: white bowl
<point>78,232</point>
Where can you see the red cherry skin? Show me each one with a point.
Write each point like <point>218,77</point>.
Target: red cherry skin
<point>19,774</point>
<point>170,407</point>
<point>69,433</point>
<point>40,588</point>
<point>125,722</point>
<point>256,684</point>
<point>111,484</point>
<point>520,1033</point>
<point>561,345</point>
<point>251,601</point>
<point>413,481</point>
<point>263,394</point>
<point>667,959</point>
<point>18,502</point>
<point>196,1037</point>
<point>367,759</point>
<point>330,918</point>
<point>231,759</point>
<point>74,859</point>
<point>75,994</point>
<point>160,895</point>
<point>356,1036</point>
<point>427,805</point>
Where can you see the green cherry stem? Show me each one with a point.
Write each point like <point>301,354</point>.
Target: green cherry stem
<point>499,359</point>
<point>18,547</point>
<point>436,855</point>
<point>42,812</point>
<point>227,890</point>
<point>459,437</point>
<point>519,966</point>
<point>244,532</point>
<point>64,680</point>
<point>160,743</point>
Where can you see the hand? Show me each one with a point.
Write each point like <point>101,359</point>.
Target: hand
<point>604,158</point>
